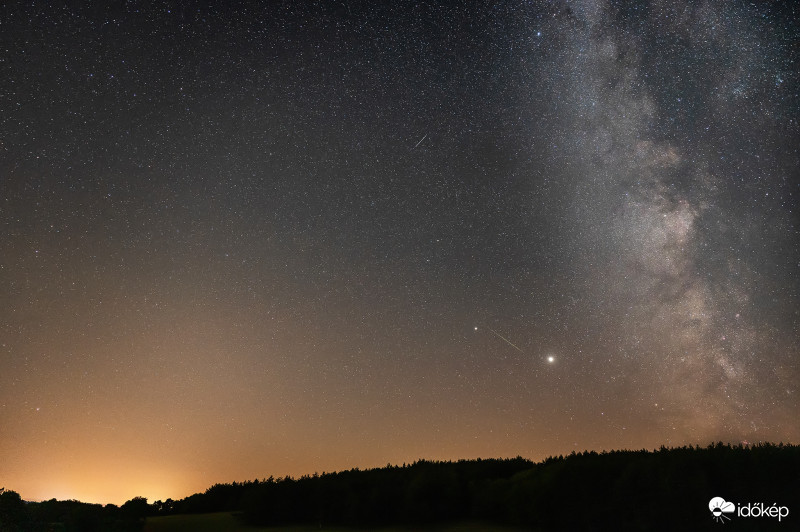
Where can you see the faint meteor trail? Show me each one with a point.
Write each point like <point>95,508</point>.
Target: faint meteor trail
<point>506,340</point>
<point>420,140</point>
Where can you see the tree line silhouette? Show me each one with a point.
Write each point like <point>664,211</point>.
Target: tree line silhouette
<point>70,516</point>
<point>666,489</point>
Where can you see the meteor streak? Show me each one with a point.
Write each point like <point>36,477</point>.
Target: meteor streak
<point>503,338</point>
<point>420,140</point>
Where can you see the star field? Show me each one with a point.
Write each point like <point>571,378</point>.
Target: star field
<point>241,241</point>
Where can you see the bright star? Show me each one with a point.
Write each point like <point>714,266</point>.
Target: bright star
<point>551,359</point>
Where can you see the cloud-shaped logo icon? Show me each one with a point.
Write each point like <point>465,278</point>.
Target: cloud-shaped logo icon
<point>719,507</point>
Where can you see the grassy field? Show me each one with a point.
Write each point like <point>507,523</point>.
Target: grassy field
<point>227,522</point>
<point>222,522</point>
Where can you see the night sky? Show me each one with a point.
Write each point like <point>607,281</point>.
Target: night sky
<point>241,241</point>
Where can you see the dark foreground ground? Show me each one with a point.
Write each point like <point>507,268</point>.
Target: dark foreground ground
<point>231,522</point>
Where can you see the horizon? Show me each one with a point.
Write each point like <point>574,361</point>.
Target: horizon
<point>151,500</point>
<point>300,237</point>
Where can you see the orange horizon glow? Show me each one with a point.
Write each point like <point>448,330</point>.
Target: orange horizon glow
<point>120,483</point>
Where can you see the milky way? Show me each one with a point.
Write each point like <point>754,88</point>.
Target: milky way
<point>243,241</point>
<point>680,236</point>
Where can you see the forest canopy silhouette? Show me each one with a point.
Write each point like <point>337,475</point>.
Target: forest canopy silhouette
<point>665,489</point>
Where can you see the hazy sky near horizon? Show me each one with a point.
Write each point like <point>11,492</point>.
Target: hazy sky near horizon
<point>241,241</point>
